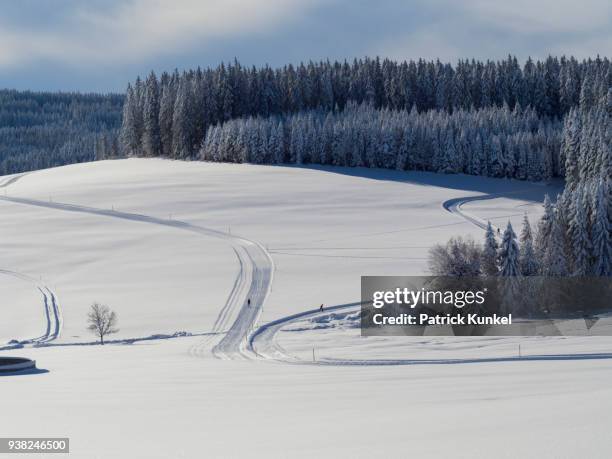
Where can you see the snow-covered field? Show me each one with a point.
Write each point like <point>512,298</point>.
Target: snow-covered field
<point>177,246</point>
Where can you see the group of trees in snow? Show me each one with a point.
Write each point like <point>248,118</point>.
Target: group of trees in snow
<point>573,238</point>
<point>572,243</point>
<point>41,129</point>
<point>577,231</point>
<point>586,143</point>
<point>495,141</point>
<point>170,115</point>
<point>574,235</point>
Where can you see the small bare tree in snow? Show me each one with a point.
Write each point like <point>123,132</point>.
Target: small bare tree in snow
<point>458,258</point>
<point>102,321</point>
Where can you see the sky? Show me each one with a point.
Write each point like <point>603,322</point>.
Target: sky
<point>98,46</point>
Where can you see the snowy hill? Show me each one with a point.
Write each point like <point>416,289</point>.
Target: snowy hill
<point>182,247</point>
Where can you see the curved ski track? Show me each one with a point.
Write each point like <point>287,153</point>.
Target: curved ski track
<point>263,342</point>
<point>254,277</point>
<point>52,312</point>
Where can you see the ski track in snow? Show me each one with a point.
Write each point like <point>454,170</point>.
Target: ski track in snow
<point>264,344</point>
<point>454,207</point>
<point>52,311</point>
<point>253,282</point>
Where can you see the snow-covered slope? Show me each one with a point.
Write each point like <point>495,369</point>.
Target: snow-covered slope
<point>176,246</point>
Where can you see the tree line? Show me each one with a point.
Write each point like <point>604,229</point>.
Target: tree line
<point>574,235</point>
<point>494,142</point>
<point>577,230</point>
<point>170,115</point>
<point>43,129</point>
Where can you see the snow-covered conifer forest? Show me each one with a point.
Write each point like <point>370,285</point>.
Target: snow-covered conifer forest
<point>43,129</point>
<point>498,119</point>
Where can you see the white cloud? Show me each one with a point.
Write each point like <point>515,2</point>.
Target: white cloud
<point>540,16</point>
<point>493,29</point>
<point>96,35</point>
<point>140,29</point>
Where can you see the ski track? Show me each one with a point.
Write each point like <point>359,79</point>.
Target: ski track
<point>52,313</point>
<point>52,310</point>
<point>454,206</point>
<point>264,344</point>
<point>254,279</point>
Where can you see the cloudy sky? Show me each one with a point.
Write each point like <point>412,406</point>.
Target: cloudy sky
<point>99,45</point>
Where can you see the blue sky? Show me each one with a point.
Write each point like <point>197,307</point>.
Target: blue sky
<point>100,45</point>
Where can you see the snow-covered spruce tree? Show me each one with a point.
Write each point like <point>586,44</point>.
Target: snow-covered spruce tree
<point>129,128</point>
<point>139,97</point>
<point>449,154</point>
<point>571,148</point>
<point>151,142</point>
<point>544,229</point>
<point>489,253</point>
<point>296,145</point>
<point>166,114</point>
<point>509,254</point>
<point>601,229</point>
<point>404,148</point>
<point>509,269</point>
<point>578,232</point>
<point>182,122</point>
<point>554,260</point>
<point>496,165</point>
<point>273,144</point>
<point>527,257</point>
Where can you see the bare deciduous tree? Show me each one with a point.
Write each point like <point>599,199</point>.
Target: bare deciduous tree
<point>102,321</point>
<point>458,258</point>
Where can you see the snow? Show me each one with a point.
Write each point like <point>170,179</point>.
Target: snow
<point>177,246</point>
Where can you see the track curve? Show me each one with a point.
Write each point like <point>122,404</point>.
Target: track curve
<point>264,345</point>
<point>52,313</point>
<point>256,274</point>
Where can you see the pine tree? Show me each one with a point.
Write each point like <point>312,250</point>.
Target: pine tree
<point>554,262</point>
<point>586,91</point>
<point>275,144</point>
<point>449,154</point>
<point>489,253</point>
<point>544,229</point>
<point>296,146</point>
<point>129,128</point>
<point>166,115</point>
<point>496,162</point>
<point>509,254</point>
<point>571,149</point>
<point>151,143</point>
<point>601,230</point>
<point>527,258</point>
<point>182,122</point>
<point>578,229</point>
